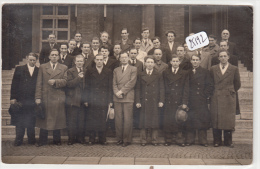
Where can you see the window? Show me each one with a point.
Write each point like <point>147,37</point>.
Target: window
<point>55,19</point>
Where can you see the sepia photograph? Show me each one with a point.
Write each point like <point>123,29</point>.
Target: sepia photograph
<point>127,84</point>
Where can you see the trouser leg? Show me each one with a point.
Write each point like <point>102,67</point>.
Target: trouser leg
<point>217,136</point>
<point>19,134</point>
<point>143,136</point>
<point>92,136</point>
<point>180,139</point>
<point>31,135</point>
<point>190,136</point>
<point>128,122</point>
<point>72,122</point>
<point>227,137</point>
<point>154,136</point>
<point>119,120</point>
<point>168,136</point>
<point>202,136</point>
<point>43,138</point>
<point>56,136</point>
<point>81,125</point>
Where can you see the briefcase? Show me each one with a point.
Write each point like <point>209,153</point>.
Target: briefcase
<point>39,110</point>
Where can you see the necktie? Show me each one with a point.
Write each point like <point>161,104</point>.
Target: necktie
<point>53,66</point>
<point>105,62</point>
<point>223,67</point>
<point>145,42</point>
<point>62,58</point>
<point>174,71</point>
<point>123,69</point>
<point>133,62</point>
<point>149,72</point>
<point>52,46</point>
<point>194,71</point>
<point>80,70</point>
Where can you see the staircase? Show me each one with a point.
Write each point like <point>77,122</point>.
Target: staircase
<point>244,121</point>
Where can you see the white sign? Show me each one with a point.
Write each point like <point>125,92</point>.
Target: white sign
<point>197,40</point>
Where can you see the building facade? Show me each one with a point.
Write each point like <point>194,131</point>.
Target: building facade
<point>26,27</point>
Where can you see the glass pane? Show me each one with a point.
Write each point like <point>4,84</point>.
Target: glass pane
<point>47,23</point>
<point>62,35</point>
<point>45,34</point>
<point>63,10</point>
<point>62,23</point>
<point>47,10</point>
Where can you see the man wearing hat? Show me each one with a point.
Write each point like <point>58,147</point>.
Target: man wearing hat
<point>23,93</point>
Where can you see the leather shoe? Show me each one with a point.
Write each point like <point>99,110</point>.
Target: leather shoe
<point>119,142</point>
<point>231,145</point>
<point>90,143</point>
<point>205,145</point>
<point>125,144</point>
<point>155,144</point>
<point>70,143</point>
<point>143,144</point>
<point>216,145</point>
<point>103,143</point>
<point>188,144</point>
<point>58,143</point>
<point>182,145</point>
<point>17,144</point>
<point>167,144</point>
<point>39,144</point>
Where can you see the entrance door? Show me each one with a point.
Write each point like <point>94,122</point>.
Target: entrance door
<point>129,17</point>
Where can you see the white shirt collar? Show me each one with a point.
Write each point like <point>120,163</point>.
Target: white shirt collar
<point>176,69</point>
<point>147,71</point>
<point>225,69</point>
<point>52,65</point>
<point>31,69</point>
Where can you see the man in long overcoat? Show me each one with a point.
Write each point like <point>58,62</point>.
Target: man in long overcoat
<point>200,88</point>
<point>23,91</point>
<point>51,81</point>
<point>149,97</point>
<point>176,94</point>
<point>98,95</point>
<point>223,101</point>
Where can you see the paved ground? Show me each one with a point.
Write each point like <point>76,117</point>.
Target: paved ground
<point>133,154</point>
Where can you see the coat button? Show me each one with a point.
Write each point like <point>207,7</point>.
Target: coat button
<point>198,88</point>
<point>198,92</point>
<point>198,83</point>
<point>176,84</point>
<point>145,99</point>
<point>176,102</point>
<point>172,89</point>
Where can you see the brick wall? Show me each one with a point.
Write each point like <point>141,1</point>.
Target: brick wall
<point>89,20</point>
<point>170,17</point>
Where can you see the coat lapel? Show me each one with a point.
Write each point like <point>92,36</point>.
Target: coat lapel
<point>149,79</point>
<point>56,72</point>
<point>124,73</point>
<point>174,77</point>
<point>226,74</point>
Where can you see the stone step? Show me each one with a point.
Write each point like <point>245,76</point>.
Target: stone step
<point>246,74</point>
<point>246,115</point>
<point>246,101</point>
<point>244,124</point>
<point>245,95</point>
<point>7,80</point>
<point>246,78</point>
<point>247,84</point>
<point>5,113</point>
<point>242,69</point>
<point>238,134</point>
<point>246,108</point>
<point>246,90</point>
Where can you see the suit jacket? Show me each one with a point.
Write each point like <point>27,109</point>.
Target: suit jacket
<point>146,47</point>
<point>138,64</point>
<point>223,100</point>
<point>23,90</point>
<point>161,66</point>
<point>69,60</point>
<point>205,60</point>
<point>52,97</point>
<point>232,60</point>
<point>45,52</point>
<point>233,50</point>
<point>166,54</point>
<point>125,82</point>
<point>212,50</point>
<point>174,48</point>
<point>125,47</point>
<point>75,87</point>
<point>77,50</point>
<point>112,64</point>
<point>89,62</point>
<point>185,64</point>
<point>74,52</point>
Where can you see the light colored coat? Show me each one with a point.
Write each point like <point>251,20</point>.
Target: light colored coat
<point>205,60</point>
<point>125,82</point>
<point>223,100</point>
<point>146,47</point>
<point>53,97</point>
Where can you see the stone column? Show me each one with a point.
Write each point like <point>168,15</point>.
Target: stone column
<point>149,19</point>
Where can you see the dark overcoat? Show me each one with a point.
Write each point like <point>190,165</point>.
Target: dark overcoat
<point>176,94</point>
<point>98,94</point>
<point>23,90</point>
<point>185,64</point>
<point>45,52</point>
<point>200,88</point>
<point>223,100</point>
<point>69,60</point>
<point>149,92</point>
<point>52,97</point>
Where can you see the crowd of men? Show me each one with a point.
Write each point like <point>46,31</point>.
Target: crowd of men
<point>145,82</point>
